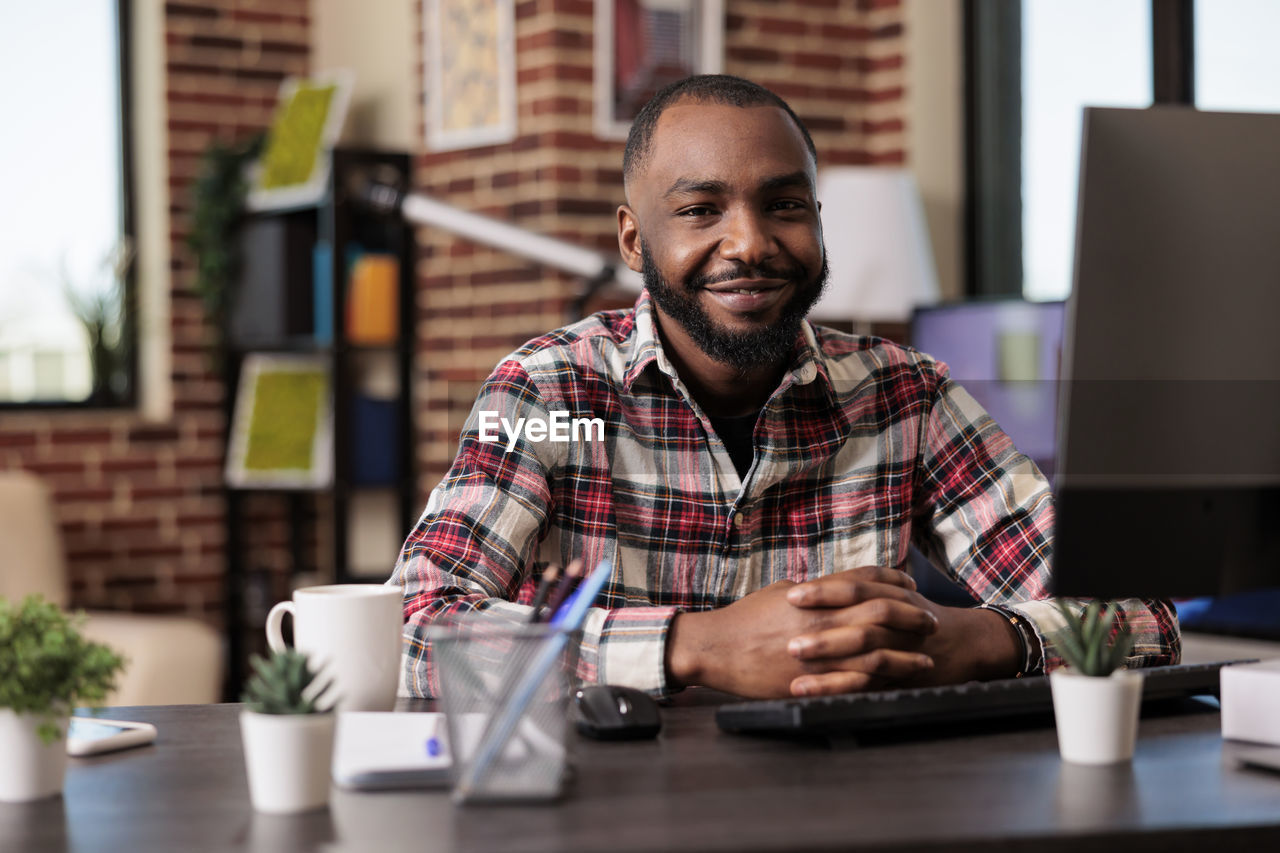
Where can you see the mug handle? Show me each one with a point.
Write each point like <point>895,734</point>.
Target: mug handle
<point>275,618</point>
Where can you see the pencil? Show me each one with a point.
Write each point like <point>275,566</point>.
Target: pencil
<point>544,588</point>
<point>566,586</point>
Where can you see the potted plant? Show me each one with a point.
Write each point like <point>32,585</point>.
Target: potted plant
<point>46,668</point>
<point>287,735</point>
<point>1095,700</point>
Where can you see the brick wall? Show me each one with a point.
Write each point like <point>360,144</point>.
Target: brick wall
<point>140,504</point>
<point>839,63</point>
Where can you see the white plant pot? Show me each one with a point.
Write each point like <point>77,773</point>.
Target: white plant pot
<point>30,769</point>
<point>1097,717</point>
<point>287,757</point>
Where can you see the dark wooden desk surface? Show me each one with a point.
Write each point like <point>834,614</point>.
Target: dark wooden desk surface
<point>692,789</point>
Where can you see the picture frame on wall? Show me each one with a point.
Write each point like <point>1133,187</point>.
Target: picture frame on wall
<point>294,167</point>
<point>642,45</point>
<point>282,424</point>
<point>470,73</point>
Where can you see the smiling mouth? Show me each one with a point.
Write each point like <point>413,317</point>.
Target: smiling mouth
<point>750,287</point>
<point>748,297</point>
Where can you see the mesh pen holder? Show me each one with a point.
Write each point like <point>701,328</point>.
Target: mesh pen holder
<point>504,688</point>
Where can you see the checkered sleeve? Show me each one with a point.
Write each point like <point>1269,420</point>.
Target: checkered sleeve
<point>474,542</point>
<point>475,546</point>
<point>989,521</point>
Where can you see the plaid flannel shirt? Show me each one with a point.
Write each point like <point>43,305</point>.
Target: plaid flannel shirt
<point>864,448</point>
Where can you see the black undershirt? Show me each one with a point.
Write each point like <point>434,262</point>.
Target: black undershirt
<point>737,434</point>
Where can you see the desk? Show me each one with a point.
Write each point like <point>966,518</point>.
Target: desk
<point>692,789</point>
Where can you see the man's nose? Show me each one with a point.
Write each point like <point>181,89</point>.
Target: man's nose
<point>747,238</point>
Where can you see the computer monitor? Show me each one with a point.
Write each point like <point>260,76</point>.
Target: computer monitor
<point>1005,352</point>
<point>1168,476</point>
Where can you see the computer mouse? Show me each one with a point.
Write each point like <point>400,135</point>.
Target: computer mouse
<point>611,712</point>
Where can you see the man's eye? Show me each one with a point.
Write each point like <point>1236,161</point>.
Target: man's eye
<point>788,204</point>
<point>696,210</point>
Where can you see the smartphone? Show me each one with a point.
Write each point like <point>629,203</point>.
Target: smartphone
<point>92,736</point>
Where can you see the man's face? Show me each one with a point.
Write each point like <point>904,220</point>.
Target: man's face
<point>724,227</point>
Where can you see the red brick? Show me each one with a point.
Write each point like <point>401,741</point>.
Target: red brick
<point>505,179</point>
<point>88,555</point>
<point>47,468</point>
<point>823,123</point>
<point>573,7</point>
<point>745,53</point>
<point>17,439</point>
<point>602,207</point>
<point>559,106</point>
<point>186,10</point>
<point>199,40</point>
<point>80,436</point>
<point>782,26</point>
<point>128,465</point>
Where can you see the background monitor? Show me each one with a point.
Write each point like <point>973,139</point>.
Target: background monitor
<point>1006,353</point>
<point>1168,474</point>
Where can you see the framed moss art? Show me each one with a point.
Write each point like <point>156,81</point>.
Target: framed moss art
<point>294,167</point>
<point>282,426</point>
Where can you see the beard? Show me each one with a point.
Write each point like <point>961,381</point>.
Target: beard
<point>741,350</point>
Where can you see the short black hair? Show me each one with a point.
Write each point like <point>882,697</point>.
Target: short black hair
<point>706,89</point>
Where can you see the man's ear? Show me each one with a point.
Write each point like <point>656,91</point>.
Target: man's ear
<point>629,237</point>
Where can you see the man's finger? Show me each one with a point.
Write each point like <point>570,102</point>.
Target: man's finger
<point>874,669</point>
<point>848,588</point>
<point>831,683</point>
<point>848,640</point>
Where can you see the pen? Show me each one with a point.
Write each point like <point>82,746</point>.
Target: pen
<point>503,723</point>
<point>565,587</point>
<point>544,588</point>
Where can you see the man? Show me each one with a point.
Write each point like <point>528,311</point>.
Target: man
<point>759,479</point>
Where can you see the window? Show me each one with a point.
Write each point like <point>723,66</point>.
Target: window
<point>66,328</point>
<point>1032,65</point>
<point>1237,65</point>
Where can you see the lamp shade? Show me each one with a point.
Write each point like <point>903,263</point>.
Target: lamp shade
<point>877,245</point>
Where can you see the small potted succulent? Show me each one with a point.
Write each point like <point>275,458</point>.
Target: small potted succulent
<point>287,733</point>
<point>1095,699</point>
<point>47,668</point>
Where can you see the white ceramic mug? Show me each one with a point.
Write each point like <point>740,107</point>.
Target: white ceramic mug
<point>351,634</point>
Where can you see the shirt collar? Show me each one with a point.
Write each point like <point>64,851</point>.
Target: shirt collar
<point>808,361</point>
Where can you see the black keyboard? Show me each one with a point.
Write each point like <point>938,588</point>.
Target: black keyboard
<point>878,711</point>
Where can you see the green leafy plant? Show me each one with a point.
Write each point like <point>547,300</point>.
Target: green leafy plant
<point>284,684</point>
<point>47,667</point>
<point>1086,641</point>
<point>218,198</point>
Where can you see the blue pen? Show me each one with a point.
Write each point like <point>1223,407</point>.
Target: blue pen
<point>568,619</point>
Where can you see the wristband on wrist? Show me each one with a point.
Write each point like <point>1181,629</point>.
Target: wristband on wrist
<point>1027,639</point>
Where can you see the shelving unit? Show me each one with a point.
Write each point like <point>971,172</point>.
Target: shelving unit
<point>275,310</point>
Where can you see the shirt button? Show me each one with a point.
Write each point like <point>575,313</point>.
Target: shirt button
<point>738,519</point>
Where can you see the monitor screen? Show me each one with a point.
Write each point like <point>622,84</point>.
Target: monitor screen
<point>1168,474</point>
<point>1006,354</point>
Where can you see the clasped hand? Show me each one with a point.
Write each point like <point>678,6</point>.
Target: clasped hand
<point>865,628</point>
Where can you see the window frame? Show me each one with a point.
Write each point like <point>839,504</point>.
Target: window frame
<point>130,311</point>
<point>993,128</point>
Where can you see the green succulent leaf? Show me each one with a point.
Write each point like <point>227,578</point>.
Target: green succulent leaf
<point>1093,641</point>
<point>284,684</point>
